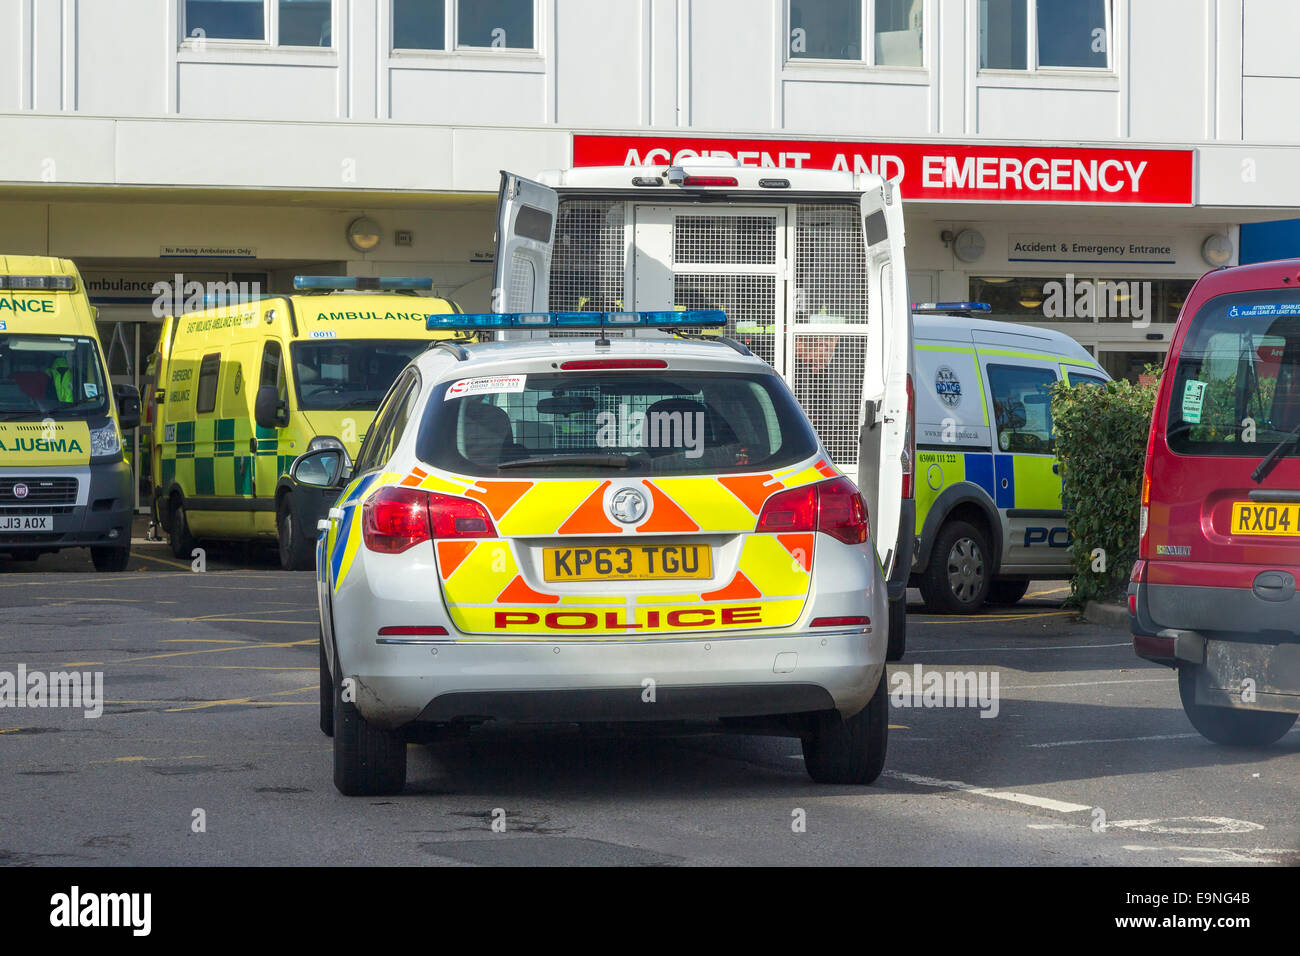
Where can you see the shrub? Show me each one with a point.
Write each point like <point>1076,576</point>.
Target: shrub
<point>1101,440</point>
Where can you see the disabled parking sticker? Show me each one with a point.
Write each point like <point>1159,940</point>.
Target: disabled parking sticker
<point>488,385</point>
<point>1193,401</point>
<point>1264,308</point>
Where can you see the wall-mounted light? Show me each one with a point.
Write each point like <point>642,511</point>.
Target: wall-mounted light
<point>363,234</point>
<point>1216,250</point>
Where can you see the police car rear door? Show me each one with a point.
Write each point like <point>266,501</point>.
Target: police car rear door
<point>525,232</point>
<point>882,415</point>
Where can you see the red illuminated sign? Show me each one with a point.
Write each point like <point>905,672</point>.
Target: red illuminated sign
<point>935,171</point>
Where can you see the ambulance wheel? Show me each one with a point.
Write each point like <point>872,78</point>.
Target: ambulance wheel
<point>178,532</point>
<point>957,580</point>
<point>368,762</point>
<point>297,550</point>
<point>110,559</point>
<point>326,693</point>
<point>897,629</point>
<point>1007,592</point>
<point>850,751</point>
<point>1228,725</point>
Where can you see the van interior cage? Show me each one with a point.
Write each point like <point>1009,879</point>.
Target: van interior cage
<point>792,279</point>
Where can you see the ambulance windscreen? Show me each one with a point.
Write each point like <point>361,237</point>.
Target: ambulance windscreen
<point>51,376</point>
<point>338,374</point>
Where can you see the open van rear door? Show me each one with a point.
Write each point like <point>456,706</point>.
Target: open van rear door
<point>882,419</point>
<point>525,232</point>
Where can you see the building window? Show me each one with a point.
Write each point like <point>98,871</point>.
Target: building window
<point>1044,34</point>
<point>1072,298</point>
<point>835,30</point>
<point>419,25</point>
<point>499,24</point>
<point>284,22</point>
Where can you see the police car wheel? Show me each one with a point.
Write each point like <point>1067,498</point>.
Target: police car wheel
<point>957,580</point>
<point>178,532</point>
<point>326,692</point>
<point>1227,725</point>
<point>110,559</point>
<point>297,551</point>
<point>1007,592</point>
<point>850,751</point>
<point>368,762</point>
<point>897,629</point>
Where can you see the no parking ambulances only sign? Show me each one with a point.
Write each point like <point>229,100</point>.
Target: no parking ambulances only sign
<point>936,171</point>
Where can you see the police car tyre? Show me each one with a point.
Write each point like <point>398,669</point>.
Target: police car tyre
<point>178,532</point>
<point>897,629</point>
<point>850,751</point>
<point>297,551</point>
<point>326,692</point>
<point>1227,725</point>
<point>1007,592</point>
<point>957,580</point>
<point>368,762</point>
<point>110,559</point>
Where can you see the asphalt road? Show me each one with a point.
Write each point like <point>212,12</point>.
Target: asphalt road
<point>211,684</point>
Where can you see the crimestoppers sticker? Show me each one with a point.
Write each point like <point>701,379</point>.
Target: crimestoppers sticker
<point>1193,401</point>
<point>492,385</point>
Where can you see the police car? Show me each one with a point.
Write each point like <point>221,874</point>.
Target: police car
<point>989,515</point>
<point>635,526</point>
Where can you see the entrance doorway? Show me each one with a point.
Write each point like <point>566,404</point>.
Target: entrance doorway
<point>1129,363</point>
<point>128,339</point>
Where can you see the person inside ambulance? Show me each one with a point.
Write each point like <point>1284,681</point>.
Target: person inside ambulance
<point>60,375</point>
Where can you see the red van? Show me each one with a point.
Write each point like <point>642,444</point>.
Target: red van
<point>1213,592</point>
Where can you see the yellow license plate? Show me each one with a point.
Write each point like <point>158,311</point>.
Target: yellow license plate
<point>1251,517</point>
<point>635,562</point>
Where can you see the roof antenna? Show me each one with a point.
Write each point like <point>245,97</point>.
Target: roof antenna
<point>602,341</point>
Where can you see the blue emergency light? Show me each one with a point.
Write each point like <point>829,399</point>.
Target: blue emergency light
<point>951,307</point>
<point>687,318</point>
<point>362,284</point>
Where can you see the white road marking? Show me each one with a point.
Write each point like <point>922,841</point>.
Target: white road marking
<point>1044,647</point>
<point>1196,826</point>
<point>1092,683</point>
<point>1215,854</point>
<point>1028,799</point>
<point>1124,740</point>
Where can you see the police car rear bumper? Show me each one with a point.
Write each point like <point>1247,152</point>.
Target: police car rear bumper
<point>670,679</point>
<point>103,520</point>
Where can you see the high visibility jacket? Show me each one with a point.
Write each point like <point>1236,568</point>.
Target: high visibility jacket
<point>61,375</point>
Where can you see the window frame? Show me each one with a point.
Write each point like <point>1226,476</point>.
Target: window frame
<point>1055,376</point>
<point>216,384</point>
<point>1032,66</point>
<point>451,46</point>
<point>270,32</point>
<point>866,43</point>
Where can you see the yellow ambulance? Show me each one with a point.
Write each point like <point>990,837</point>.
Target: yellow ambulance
<point>244,388</point>
<point>64,482</point>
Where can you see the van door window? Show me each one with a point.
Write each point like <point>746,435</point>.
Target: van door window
<point>1082,378</point>
<point>205,397</point>
<point>273,371</point>
<point>379,441</point>
<point>1022,408</point>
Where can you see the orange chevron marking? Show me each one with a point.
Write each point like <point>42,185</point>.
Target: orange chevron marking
<point>518,592</point>
<point>740,589</point>
<point>750,489</point>
<point>665,515</point>
<point>589,517</point>
<point>800,547</point>
<point>414,478</point>
<point>451,554</point>
<point>499,496</point>
<point>825,468</point>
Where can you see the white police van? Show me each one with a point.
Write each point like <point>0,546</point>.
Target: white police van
<point>989,515</point>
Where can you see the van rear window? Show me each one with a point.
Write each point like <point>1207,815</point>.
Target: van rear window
<point>1236,389</point>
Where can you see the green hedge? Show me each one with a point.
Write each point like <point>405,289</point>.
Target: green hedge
<point>1101,440</point>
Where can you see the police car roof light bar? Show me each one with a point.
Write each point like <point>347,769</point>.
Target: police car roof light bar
<point>951,307</point>
<point>362,284</point>
<point>577,320</point>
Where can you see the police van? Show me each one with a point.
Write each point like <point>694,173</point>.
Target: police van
<point>989,516</point>
<point>808,266</point>
<point>63,480</point>
<point>245,388</point>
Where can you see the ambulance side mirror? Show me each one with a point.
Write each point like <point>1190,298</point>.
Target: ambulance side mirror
<point>127,398</point>
<point>268,410</point>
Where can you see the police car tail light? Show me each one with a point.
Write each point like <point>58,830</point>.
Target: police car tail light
<point>395,519</point>
<point>841,512</point>
<point>834,507</point>
<point>453,517</point>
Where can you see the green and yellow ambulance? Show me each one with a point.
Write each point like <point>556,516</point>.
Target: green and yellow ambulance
<point>244,388</point>
<point>988,489</point>
<point>63,480</point>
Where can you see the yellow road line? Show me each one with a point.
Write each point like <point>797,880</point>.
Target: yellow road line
<point>211,650</point>
<point>991,618</point>
<point>204,640</point>
<point>167,561</point>
<point>247,700</point>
